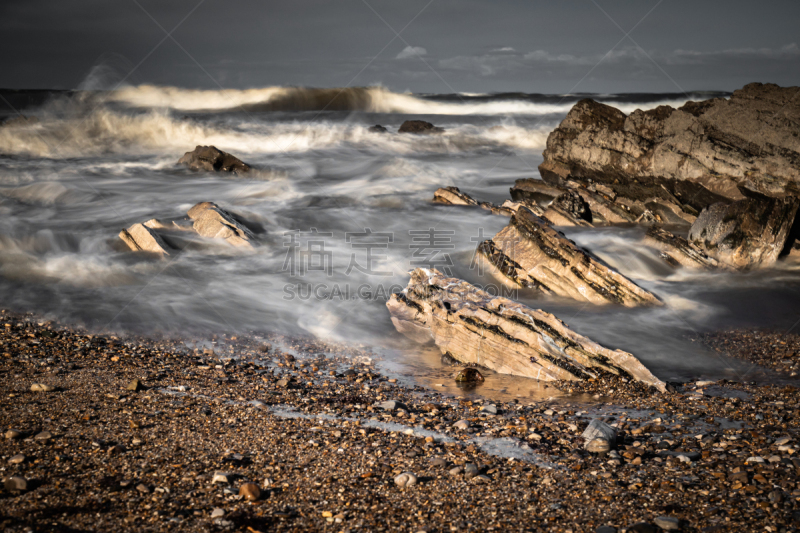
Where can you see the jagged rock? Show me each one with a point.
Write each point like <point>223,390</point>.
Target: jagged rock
<point>568,209</point>
<point>453,196</point>
<point>597,429</point>
<point>531,191</point>
<point>573,204</point>
<point>678,251</point>
<point>532,254</point>
<point>745,234</point>
<point>377,128</point>
<point>505,336</point>
<point>418,126</point>
<point>212,221</point>
<point>211,159</point>
<point>141,238</point>
<point>690,157</point>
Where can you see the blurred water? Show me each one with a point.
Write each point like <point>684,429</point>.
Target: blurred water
<point>92,166</point>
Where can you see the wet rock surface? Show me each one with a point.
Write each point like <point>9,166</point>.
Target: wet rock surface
<point>321,455</point>
<point>534,255</point>
<point>210,220</point>
<point>205,219</point>
<point>745,234</point>
<point>212,159</point>
<point>678,251</point>
<point>454,196</point>
<point>508,337</point>
<point>690,157</point>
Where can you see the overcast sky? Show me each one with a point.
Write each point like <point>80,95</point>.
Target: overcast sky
<point>443,45</point>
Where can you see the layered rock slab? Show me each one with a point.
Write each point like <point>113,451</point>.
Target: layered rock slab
<point>141,238</point>
<point>698,154</point>
<point>475,327</point>
<point>532,254</point>
<point>209,220</point>
<point>678,251</point>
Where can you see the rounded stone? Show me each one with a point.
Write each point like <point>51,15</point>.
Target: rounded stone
<point>406,479</point>
<point>16,483</point>
<point>44,435</point>
<point>668,523</point>
<point>13,434</point>
<point>250,492</point>
<point>41,387</point>
<point>461,424</point>
<point>17,459</point>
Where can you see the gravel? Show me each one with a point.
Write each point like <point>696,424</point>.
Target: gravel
<point>323,455</point>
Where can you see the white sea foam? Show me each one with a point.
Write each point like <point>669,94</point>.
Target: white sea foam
<point>369,99</point>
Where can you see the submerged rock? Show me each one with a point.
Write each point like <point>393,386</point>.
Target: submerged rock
<point>212,221</point>
<point>688,158</point>
<point>211,159</point>
<point>419,127</point>
<point>745,234</point>
<point>377,128</point>
<point>505,336</point>
<point>532,254</point>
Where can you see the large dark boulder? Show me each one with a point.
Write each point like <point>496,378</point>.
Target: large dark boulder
<point>745,234</point>
<point>419,127</point>
<point>211,159</point>
<point>684,159</point>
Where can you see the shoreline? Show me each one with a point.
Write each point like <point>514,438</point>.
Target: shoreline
<point>324,435</point>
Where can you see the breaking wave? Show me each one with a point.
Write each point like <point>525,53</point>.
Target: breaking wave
<point>102,130</point>
<point>367,99</point>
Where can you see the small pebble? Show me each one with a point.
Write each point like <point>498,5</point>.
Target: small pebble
<point>17,459</point>
<point>221,477</point>
<point>406,479</point>
<point>44,435</point>
<point>470,470</point>
<point>217,513</point>
<point>17,483</point>
<point>134,385</point>
<point>461,424</point>
<point>250,492</point>
<point>668,523</point>
<point>41,387</point>
<point>13,434</point>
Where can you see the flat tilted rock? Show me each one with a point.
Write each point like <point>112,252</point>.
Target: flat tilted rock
<point>532,254</point>
<point>141,238</point>
<point>212,221</point>
<point>505,336</point>
<point>745,234</point>
<point>690,157</point>
<point>453,196</point>
<point>211,159</point>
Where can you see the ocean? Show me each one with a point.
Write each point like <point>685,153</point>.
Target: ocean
<point>342,214</point>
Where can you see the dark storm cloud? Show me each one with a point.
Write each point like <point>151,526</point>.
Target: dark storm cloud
<point>444,45</point>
